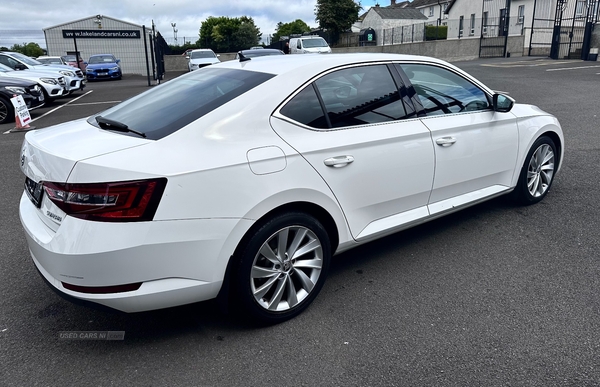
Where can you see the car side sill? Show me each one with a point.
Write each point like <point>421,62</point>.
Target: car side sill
<point>408,219</point>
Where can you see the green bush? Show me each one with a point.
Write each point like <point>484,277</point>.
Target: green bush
<point>436,32</point>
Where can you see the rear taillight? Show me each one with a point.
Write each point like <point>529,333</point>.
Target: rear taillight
<point>127,201</point>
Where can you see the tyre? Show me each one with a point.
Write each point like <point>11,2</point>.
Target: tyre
<point>282,268</point>
<point>6,111</point>
<point>537,173</point>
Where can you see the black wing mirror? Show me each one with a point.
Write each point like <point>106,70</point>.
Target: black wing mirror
<point>502,103</point>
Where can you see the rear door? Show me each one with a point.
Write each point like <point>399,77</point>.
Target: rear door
<point>370,147</point>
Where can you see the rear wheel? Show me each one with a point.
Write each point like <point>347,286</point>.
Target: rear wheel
<point>6,111</point>
<point>537,173</point>
<point>282,267</point>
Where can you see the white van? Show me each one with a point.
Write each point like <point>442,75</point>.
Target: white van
<point>309,45</point>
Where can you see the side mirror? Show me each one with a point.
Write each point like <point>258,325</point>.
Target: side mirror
<point>20,67</point>
<point>502,103</point>
<point>118,61</point>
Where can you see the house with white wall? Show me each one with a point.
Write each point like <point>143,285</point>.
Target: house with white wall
<point>434,10</point>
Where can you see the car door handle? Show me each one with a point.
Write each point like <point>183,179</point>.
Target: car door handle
<point>445,141</point>
<point>338,161</point>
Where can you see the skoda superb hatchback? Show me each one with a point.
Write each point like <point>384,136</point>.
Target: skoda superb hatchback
<point>243,178</point>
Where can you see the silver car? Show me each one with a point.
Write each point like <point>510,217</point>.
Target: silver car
<point>53,84</point>
<point>74,77</point>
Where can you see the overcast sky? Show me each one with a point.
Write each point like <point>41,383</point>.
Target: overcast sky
<point>187,14</point>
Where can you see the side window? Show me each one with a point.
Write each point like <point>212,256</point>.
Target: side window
<point>352,96</point>
<point>360,95</point>
<point>5,61</point>
<point>306,109</point>
<point>444,92</point>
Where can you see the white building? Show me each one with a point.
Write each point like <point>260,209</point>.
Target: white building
<point>103,35</point>
<point>434,10</point>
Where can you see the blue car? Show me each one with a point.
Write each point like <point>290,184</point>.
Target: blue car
<point>103,66</point>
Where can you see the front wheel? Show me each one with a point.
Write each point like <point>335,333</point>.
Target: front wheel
<point>537,173</point>
<point>6,111</point>
<point>282,267</point>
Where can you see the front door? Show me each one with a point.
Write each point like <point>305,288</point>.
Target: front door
<point>475,147</point>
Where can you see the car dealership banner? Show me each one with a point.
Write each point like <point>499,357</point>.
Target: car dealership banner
<point>102,34</point>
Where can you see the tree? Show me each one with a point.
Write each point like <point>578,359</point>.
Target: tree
<point>287,29</point>
<point>29,49</point>
<point>225,34</point>
<point>336,16</point>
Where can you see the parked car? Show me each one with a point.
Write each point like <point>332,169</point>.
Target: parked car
<point>53,84</point>
<point>254,52</point>
<point>200,58</point>
<point>9,87</point>
<point>266,169</point>
<point>52,60</point>
<point>103,66</point>
<point>72,61</point>
<point>73,77</point>
<point>309,45</point>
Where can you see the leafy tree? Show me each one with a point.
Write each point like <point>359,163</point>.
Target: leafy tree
<point>225,34</point>
<point>336,16</point>
<point>287,29</point>
<point>29,49</point>
<point>4,48</point>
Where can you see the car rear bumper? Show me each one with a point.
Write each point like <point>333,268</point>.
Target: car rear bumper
<point>170,263</point>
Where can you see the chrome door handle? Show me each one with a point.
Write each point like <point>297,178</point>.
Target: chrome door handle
<point>338,161</point>
<point>445,141</point>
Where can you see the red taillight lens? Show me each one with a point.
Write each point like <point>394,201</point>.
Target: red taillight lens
<point>128,201</point>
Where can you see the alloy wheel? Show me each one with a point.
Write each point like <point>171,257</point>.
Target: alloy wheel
<point>286,268</point>
<point>540,170</point>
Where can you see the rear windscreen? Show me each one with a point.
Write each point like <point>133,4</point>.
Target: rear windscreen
<point>167,108</point>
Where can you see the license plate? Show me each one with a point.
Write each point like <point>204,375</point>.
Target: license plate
<point>34,191</point>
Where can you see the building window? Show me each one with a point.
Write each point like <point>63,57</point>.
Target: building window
<point>430,11</point>
<point>521,15</point>
<point>472,25</point>
<point>580,8</point>
<point>485,23</point>
<point>461,21</point>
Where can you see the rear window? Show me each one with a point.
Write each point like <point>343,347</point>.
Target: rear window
<point>167,108</point>
<point>202,54</point>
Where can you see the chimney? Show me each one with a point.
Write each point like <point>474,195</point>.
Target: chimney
<point>393,2</point>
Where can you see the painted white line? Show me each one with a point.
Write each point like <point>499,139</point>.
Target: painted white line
<point>93,103</point>
<point>55,109</point>
<point>62,106</point>
<point>574,68</point>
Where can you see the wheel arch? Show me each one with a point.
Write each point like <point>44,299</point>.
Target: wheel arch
<point>557,143</point>
<point>308,208</point>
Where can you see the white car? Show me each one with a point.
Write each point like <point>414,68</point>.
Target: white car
<point>53,84</point>
<point>200,58</point>
<point>73,76</point>
<point>242,179</point>
<point>309,45</point>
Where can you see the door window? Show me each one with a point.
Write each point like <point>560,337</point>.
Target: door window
<point>352,96</point>
<point>444,92</point>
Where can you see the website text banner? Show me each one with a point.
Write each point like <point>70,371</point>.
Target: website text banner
<point>101,34</point>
